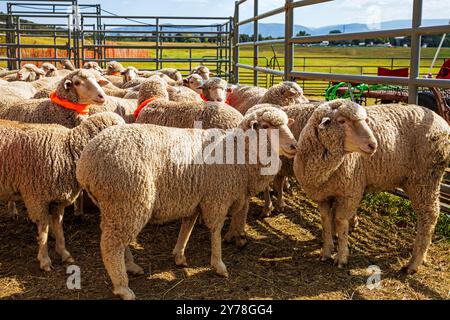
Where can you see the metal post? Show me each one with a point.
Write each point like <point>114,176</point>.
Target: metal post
<point>235,42</point>
<point>288,33</point>
<point>255,47</point>
<point>157,43</point>
<point>19,49</point>
<point>415,51</point>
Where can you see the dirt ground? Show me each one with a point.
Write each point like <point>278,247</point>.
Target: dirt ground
<point>281,261</point>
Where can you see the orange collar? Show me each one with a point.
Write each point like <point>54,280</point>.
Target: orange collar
<point>116,73</point>
<point>142,105</point>
<point>227,101</point>
<point>82,109</point>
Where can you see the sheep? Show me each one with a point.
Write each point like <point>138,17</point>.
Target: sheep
<point>38,166</point>
<point>93,65</point>
<point>300,113</point>
<point>80,88</point>
<point>29,72</point>
<point>243,98</point>
<point>214,89</point>
<point>283,94</point>
<point>68,65</point>
<point>160,185</point>
<point>51,71</point>
<point>203,71</point>
<point>114,68</point>
<point>19,90</point>
<point>183,94</point>
<point>132,78</point>
<point>155,108</point>
<point>346,150</point>
<point>194,82</point>
<point>123,107</point>
<point>172,73</point>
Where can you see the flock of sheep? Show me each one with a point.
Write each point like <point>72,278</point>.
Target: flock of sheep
<point>113,134</point>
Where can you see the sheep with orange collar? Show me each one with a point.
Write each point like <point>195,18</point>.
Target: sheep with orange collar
<point>155,108</point>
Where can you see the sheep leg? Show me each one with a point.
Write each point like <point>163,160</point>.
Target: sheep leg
<point>131,266</point>
<point>239,212</point>
<point>78,205</point>
<point>44,259</point>
<point>113,254</point>
<point>57,221</point>
<point>214,216</point>
<point>345,209</point>
<point>425,201</point>
<point>278,185</point>
<point>268,206</point>
<point>187,226</point>
<point>12,208</point>
<point>216,250</point>
<point>327,229</point>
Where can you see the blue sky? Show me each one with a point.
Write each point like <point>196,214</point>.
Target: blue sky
<point>337,12</point>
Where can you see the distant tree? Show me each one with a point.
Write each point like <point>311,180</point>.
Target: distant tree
<point>335,31</point>
<point>302,33</point>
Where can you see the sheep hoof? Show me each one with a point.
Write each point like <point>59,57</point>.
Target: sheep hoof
<point>180,261</point>
<point>124,293</point>
<point>69,259</point>
<point>221,270</point>
<point>46,264</point>
<point>340,263</point>
<point>279,206</point>
<point>135,269</point>
<point>267,212</point>
<point>240,241</point>
<point>325,257</point>
<point>409,270</point>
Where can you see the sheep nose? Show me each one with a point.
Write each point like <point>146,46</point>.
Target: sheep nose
<point>292,147</point>
<point>372,146</point>
<point>101,98</point>
<point>219,100</point>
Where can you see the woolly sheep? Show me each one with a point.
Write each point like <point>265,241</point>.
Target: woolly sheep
<point>19,90</point>
<point>38,166</point>
<point>160,111</point>
<point>346,150</point>
<point>51,71</point>
<point>202,71</point>
<point>29,72</point>
<point>156,187</point>
<point>92,65</point>
<point>80,87</point>
<point>194,82</point>
<point>215,89</point>
<point>283,94</point>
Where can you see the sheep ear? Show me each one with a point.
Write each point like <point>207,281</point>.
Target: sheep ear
<point>102,82</point>
<point>325,122</point>
<point>254,124</point>
<point>290,122</point>
<point>67,84</point>
<point>185,81</point>
<point>123,72</point>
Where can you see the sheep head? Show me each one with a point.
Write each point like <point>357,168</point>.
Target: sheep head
<point>130,73</point>
<point>215,89</point>
<point>30,72</point>
<point>202,71</point>
<point>270,117</point>
<point>290,91</point>
<point>194,82</point>
<point>49,69</point>
<point>83,86</point>
<point>114,67</point>
<point>342,127</point>
<point>92,65</point>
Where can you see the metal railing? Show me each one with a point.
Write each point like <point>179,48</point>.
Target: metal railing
<point>415,32</point>
<point>68,30</point>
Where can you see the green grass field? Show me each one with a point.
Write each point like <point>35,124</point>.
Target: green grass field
<point>348,60</point>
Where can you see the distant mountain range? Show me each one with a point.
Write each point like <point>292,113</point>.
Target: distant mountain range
<point>277,29</point>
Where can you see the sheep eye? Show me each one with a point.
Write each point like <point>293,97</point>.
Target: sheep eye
<point>341,121</point>
<point>77,83</point>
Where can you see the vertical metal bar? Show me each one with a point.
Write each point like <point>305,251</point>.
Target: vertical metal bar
<point>218,51</point>
<point>235,42</point>
<point>82,42</point>
<point>230,49</point>
<point>157,43</point>
<point>288,33</point>
<point>55,43</point>
<point>415,51</point>
<point>255,47</point>
<point>19,42</point>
